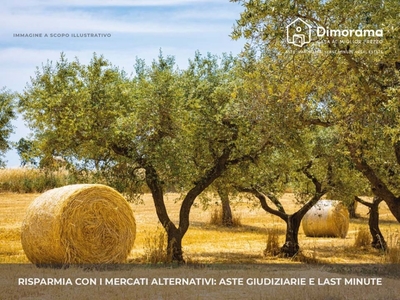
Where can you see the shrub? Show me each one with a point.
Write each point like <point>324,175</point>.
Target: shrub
<point>272,248</point>
<point>393,253</point>
<point>363,238</point>
<point>155,247</point>
<point>24,180</point>
<point>216,218</point>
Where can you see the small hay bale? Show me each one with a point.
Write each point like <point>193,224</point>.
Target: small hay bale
<point>327,218</point>
<point>82,224</point>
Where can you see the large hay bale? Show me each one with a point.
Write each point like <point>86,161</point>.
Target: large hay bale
<point>327,218</point>
<point>82,223</point>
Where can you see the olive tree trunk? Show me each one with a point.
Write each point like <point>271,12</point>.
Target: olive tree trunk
<point>378,186</point>
<point>175,233</point>
<point>378,240</point>
<point>291,245</point>
<point>227,218</point>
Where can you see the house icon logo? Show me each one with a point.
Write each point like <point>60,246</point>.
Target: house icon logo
<point>298,33</point>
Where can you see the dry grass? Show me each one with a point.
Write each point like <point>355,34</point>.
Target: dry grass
<point>216,218</point>
<point>205,243</point>
<point>307,257</point>
<point>273,242</point>
<point>155,246</point>
<point>205,248</point>
<point>393,253</point>
<point>363,238</point>
<point>25,180</point>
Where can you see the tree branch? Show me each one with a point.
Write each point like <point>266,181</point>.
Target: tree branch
<point>358,199</point>
<point>302,211</point>
<point>155,186</point>
<point>123,151</point>
<point>378,187</point>
<point>276,201</point>
<point>319,191</point>
<point>317,184</point>
<point>200,186</point>
<point>397,151</point>
<point>317,122</point>
<point>251,156</point>
<point>263,202</point>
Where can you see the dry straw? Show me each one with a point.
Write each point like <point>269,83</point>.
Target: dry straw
<point>327,218</point>
<point>83,223</point>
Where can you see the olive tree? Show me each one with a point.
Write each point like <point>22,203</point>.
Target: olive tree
<point>164,126</point>
<point>352,79</point>
<point>306,154</point>
<point>7,114</point>
<point>298,165</point>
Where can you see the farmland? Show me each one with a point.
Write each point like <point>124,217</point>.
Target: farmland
<point>230,257</point>
<point>210,244</point>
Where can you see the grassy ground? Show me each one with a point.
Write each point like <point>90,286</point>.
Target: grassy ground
<point>213,253</point>
<point>210,244</point>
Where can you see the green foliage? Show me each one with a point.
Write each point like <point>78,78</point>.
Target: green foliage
<point>352,87</point>
<point>72,108</point>
<point>97,118</point>
<point>6,115</point>
<point>25,150</point>
<point>273,118</point>
<point>172,129</point>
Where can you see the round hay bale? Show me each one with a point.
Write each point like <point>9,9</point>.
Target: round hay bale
<point>82,224</point>
<point>327,218</point>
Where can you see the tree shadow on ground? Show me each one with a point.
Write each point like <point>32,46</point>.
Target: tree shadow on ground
<point>241,228</point>
<point>364,220</point>
<point>225,257</point>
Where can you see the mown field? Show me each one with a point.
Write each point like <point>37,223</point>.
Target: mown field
<point>211,252</point>
<point>210,244</point>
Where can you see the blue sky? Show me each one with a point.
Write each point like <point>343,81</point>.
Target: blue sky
<point>138,28</point>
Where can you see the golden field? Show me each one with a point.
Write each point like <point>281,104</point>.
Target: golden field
<point>211,252</point>
<point>210,244</point>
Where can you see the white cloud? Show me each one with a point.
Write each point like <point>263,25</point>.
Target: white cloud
<point>83,22</point>
<point>96,3</point>
<point>206,13</point>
